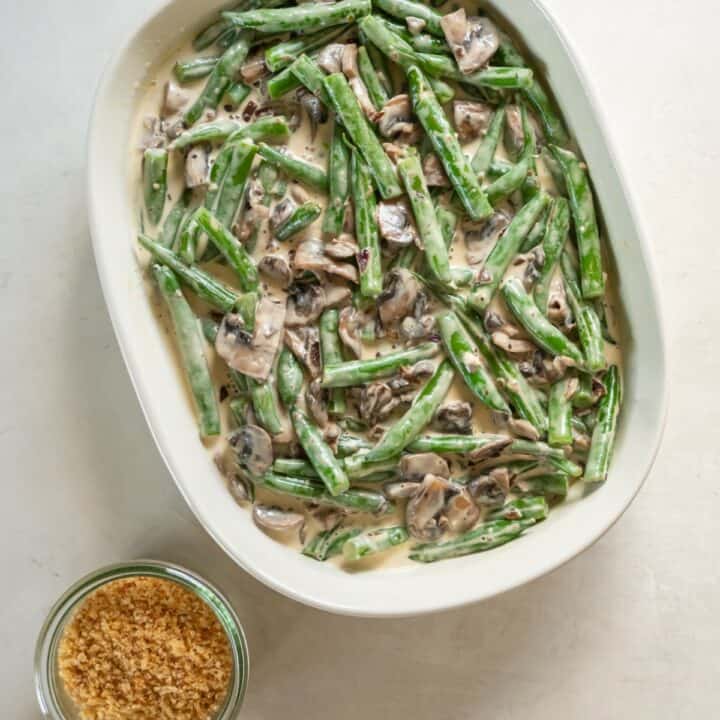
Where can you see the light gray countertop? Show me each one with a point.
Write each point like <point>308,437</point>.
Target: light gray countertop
<point>628,630</point>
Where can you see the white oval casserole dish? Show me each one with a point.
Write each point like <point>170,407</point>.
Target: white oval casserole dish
<point>396,591</point>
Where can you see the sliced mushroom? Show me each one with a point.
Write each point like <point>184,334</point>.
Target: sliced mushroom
<point>196,167</point>
<point>558,309</point>
<point>412,329</point>
<point>398,298</point>
<point>306,301</point>
<point>276,520</point>
<point>328,518</point>
<point>473,41</point>
<point>174,99</point>
<point>414,468</point>
<point>337,296</point>
<point>454,417</point>
<point>310,255</point>
<point>434,171</point>
<point>342,247</point>
<point>374,400</point>
<point>254,68</point>
<point>276,268</point>
<point>330,58</point>
<point>352,73</point>
<point>491,490</point>
<point>316,401</point>
<point>393,151</point>
<point>422,515</point>
<point>396,223</point>
<point>514,134</point>
<point>491,449</point>
<point>513,346</point>
<point>415,25</point>
<point>479,241</point>
<point>472,119</point>
<point>254,353</point>
<point>396,120</point>
<point>240,488</point>
<point>316,111</point>
<point>349,330</point>
<point>401,490</point>
<point>524,429</point>
<point>281,212</point>
<point>304,343</point>
<point>461,511</point>
<point>253,449</point>
<point>289,109</point>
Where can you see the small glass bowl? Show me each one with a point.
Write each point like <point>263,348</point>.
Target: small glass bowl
<point>53,700</point>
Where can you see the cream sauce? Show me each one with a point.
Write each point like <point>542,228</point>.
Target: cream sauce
<point>149,93</point>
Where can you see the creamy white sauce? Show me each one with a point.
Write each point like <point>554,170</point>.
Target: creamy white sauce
<point>150,93</point>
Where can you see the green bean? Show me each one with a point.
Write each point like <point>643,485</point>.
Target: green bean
<point>526,508</point>
<point>235,182</point>
<point>210,34</point>
<point>221,77</point>
<point>554,456</point>
<point>445,143</point>
<point>505,250</point>
<point>350,444</point>
<point>359,468</point>
<point>436,252</point>
<point>306,17</point>
<point>592,279</point>
<point>192,351</point>
<point>422,42</point>
<point>290,378</point>
<point>155,162</point>
<point>354,499</point>
<point>536,96</point>
<point>487,536</point>
<point>188,70</point>
<point>507,184</point>
<point>586,319</point>
<point>369,76</point>
<point>603,439</point>
<point>338,183</point>
<point>174,220</point>
<point>402,9</point>
<point>372,542</point>
<point>488,145</point>
<point>216,131</point>
<point>301,217</point>
<point>320,455</point>
<point>237,93</point>
<point>464,356</point>
<point>231,249</point>
<point>332,355</point>
<point>295,168</point>
<point>366,228</point>
<point>556,234</point>
<point>540,329</point>
<point>265,404</point>
<point>309,74</point>
<point>295,468</point>
<point>585,396</point>
<point>283,54</point>
<point>239,408</point>
<point>271,129</point>
<point>443,92</point>
<point>343,102</point>
<point>282,83</point>
<point>381,65</point>
<point>560,413</point>
<point>537,233</point>
<point>329,543</point>
<point>548,485</point>
<point>359,372</point>
<point>498,78</point>
<point>205,285</point>
<point>458,444</point>
<point>514,384</point>
<point>423,407</point>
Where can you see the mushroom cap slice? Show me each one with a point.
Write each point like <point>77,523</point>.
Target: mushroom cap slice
<point>310,255</point>
<point>398,298</point>
<point>277,520</point>
<point>252,354</point>
<point>396,119</point>
<point>473,41</point>
<point>401,490</point>
<point>396,223</point>
<point>304,343</point>
<point>276,268</point>
<point>196,167</point>
<point>305,305</point>
<point>253,449</point>
<point>455,417</point>
<point>349,330</point>
<point>423,510</point>
<point>330,58</point>
<point>479,241</point>
<point>472,119</point>
<point>461,511</point>
<point>414,468</point>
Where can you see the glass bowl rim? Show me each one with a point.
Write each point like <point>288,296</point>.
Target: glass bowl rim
<point>46,689</point>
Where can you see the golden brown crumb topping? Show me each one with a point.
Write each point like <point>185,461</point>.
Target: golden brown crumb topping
<point>145,648</point>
